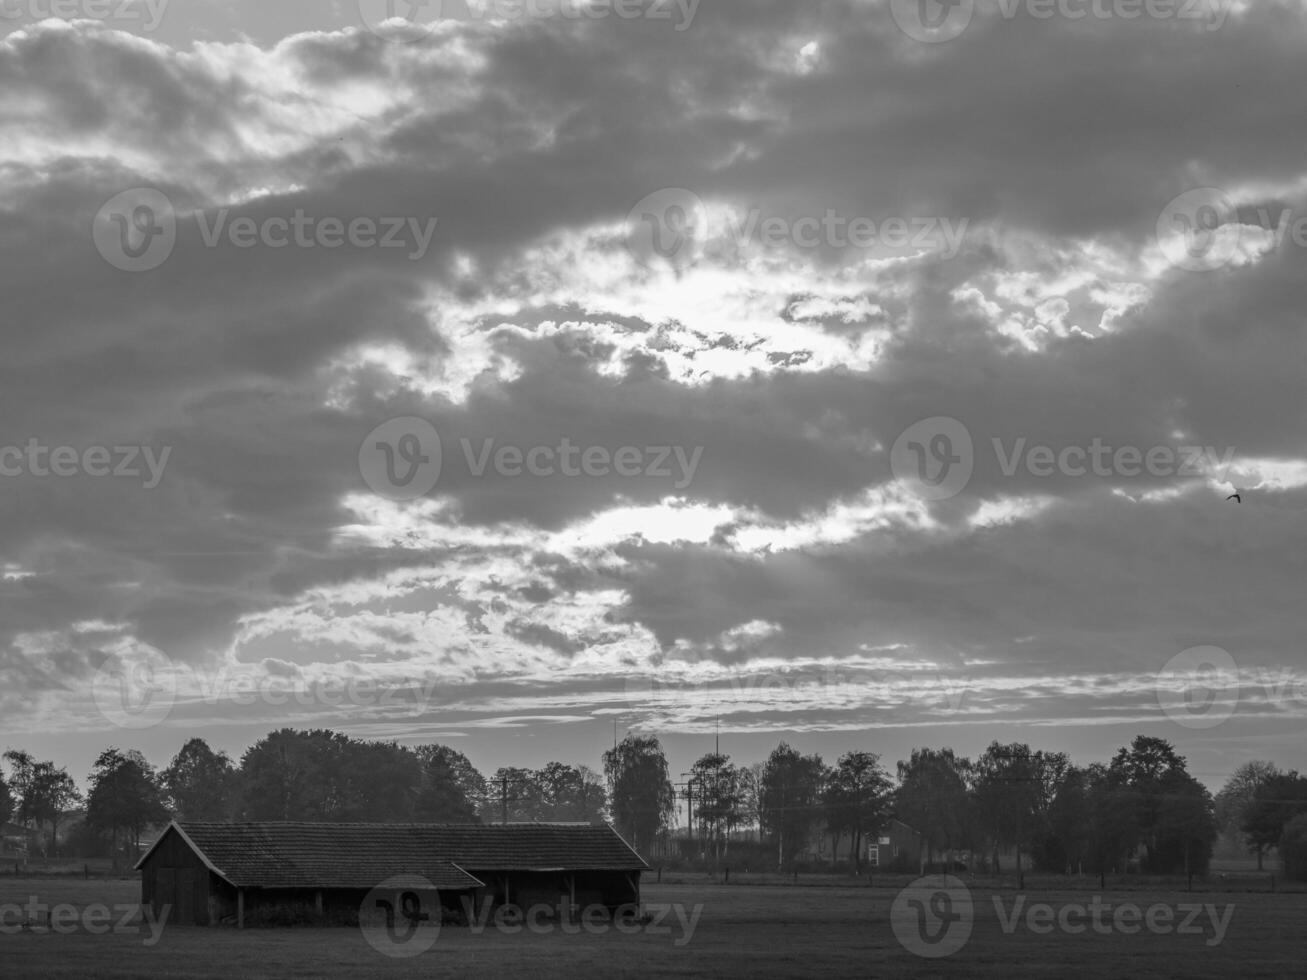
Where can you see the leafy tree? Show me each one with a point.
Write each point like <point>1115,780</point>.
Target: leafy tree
<point>858,798</point>
<point>326,776</point>
<point>453,791</point>
<point>1064,841</point>
<point>125,795</point>
<point>932,798</point>
<point>515,795</point>
<point>1009,795</point>
<point>6,800</point>
<point>1277,801</point>
<point>49,794</point>
<point>718,795</point>
<point>376,782</point>
<point>640,791</point>
<point>1235,800</point>
<point>572,794</point>
<point>200,784</point>
<point>21,765</point>
<point>1174,814</point>
<point>790,796</point>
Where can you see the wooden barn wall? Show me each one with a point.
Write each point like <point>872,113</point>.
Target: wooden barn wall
<point>174,875</point>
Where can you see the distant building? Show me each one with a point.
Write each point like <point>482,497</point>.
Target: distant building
<point>212,873</point>
<point>896,848</point>
<point>13,841</point>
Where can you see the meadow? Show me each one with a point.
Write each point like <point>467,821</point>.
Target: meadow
<point>820,927</point>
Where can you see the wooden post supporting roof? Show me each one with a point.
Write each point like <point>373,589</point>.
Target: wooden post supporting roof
<point>240,908</point>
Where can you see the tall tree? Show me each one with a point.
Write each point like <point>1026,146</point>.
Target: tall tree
<point>1173,812</point>
<point>199,783</point>
<point>326,776</point>
<point>453,791</point>
<point>50,793</point>
<point>6,801</point>
<point>1012,788</point>
<point>718,795</point>
<point>1065,834</point>
<point>932,798</point>
<point>572,794</point>
<point>21,766</point>
<point>640,791</point>
<point>791,794</point>
<point>125,796</point>
<point>1278,800</point>
<point>1235,801</point>
<point>858,797</point>
<point>515,795</point>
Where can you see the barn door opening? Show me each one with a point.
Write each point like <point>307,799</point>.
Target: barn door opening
<point>174,889</point>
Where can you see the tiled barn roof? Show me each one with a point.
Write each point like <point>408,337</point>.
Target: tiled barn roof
<point>325,855</point>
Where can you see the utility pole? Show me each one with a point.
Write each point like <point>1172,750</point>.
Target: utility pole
<point>504,797</point>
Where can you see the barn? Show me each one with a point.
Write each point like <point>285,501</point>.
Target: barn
<point>243,873</point>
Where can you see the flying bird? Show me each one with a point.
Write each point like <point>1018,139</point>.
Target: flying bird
<point>1237,497</point>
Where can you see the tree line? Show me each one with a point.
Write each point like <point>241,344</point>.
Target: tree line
<point>1141,808</point>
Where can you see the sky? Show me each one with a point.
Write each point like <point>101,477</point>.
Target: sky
<point>518,376</point>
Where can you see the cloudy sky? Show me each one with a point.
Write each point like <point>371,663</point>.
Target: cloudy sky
<point>859,379</point>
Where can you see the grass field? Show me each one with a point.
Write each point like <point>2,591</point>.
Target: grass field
<point>753,931</point>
